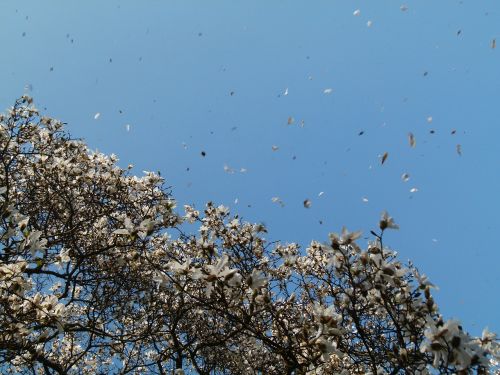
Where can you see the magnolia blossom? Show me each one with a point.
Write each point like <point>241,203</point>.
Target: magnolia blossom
<point>220,272</point>
<point>257,280</point>
<point>387,222</point>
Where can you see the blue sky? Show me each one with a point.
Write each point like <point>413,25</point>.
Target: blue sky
<point>193,76</point>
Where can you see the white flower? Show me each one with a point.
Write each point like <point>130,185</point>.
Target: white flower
<point>64,256</point>
<point>387,222</point>
<point>220,271</point>
<point>257,280</point>
<point>191,214</point>
<point>487,336</point>
<point>345,238</point>
<point>35,243</point>
<point>423,280</point>
<point>129,227</point>
<point>222,210</point>
<point>184,268</point>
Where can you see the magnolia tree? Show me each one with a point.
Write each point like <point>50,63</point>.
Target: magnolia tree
<point>100,275</point>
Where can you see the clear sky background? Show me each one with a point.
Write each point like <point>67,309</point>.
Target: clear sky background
<point>171,79</point>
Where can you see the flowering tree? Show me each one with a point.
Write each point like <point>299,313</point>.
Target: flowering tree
<point>99,275</point>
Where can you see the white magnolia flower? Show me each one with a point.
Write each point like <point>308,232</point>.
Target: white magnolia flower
<point>387,222</point>
<point>345,238</point>
<point>220,271</point>
<point>257,280</point>
<point>128,229</point>
<point>423,280</point>
<point>184,268</point>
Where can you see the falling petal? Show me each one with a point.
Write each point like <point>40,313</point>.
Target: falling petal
<point>286,92</point>
<point>453,131</point>
<point>127,127</point>
<point>307,203</point>
<point>364,199</point>
<point>403,8</point>
<point>290,120</point>
<point>97,115</point>
<point>327,91</point>
<point>243,170</point>
<point>228,169</point>
<point>369,24</point>
<point>384,157</point>
<point>356,13</point>
<point>278,200</point>
<point>321,193</point>
<point>413,190</point>
<point>274,148</point>
<point>236,201</point>
<point>493,44</point>
<point>405,177</point>
<point>429,119</point>
<point>459,150</point>
<point>411,140</point>
<point>203,153</point>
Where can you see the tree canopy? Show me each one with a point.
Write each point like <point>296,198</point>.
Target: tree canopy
<point>100,274</point>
